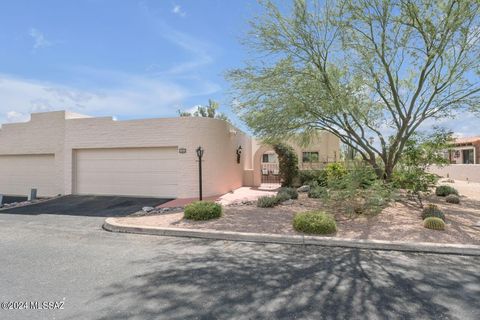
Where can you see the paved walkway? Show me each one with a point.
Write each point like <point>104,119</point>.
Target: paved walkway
<point>237,195</point>
<point>247,194</point>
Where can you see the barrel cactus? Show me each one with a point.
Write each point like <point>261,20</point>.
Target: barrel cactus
<point>451,198</point>
<point>443,191</point>
<point>432,210</point>
<point>434,223</point>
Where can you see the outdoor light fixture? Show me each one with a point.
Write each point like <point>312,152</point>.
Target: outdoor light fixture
<point>200,152</point>
<point>239,153</point>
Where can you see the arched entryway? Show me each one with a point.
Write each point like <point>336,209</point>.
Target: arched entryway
<point>265,166</point>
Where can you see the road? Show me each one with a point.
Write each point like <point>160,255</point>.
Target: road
<point>102,275</point>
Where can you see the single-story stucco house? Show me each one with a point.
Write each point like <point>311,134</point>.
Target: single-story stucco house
<point>464,158</point>
<point>465,151</point>
<point>66,153</point>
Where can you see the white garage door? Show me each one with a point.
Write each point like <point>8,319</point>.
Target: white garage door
<point>20,173</point>
<point>148,172</point>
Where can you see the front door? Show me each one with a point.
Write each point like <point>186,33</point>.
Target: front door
<point>467,156</point>
<point>270,168</point>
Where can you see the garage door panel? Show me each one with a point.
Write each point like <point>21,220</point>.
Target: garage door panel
<point>20,173</point>
<point>127,171</point>
<point>128,177</point>
<point>128,153</point>
<point>147,166</point>
<point>165,191</point>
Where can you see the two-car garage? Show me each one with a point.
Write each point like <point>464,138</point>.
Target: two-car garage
<point>146,172</point>
<point>126,171</point>
<point>64,153</point>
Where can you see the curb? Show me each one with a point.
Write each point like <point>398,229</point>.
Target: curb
<point>423,247</point>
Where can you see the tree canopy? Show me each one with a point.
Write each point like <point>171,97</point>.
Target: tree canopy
<point>208,111</point>
<point>371,72</point>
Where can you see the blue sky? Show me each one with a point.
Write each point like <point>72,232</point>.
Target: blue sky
<point>128,59</point>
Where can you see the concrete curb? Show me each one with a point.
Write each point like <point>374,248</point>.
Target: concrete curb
<point>424,247</point>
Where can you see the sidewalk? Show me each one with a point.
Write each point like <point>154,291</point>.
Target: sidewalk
<point>134,225</point>
<point>238,195</point>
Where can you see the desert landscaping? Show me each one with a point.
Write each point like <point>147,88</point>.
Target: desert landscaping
<point>400,221</point>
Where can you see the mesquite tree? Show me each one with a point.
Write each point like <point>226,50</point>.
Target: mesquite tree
<point>369,71</point>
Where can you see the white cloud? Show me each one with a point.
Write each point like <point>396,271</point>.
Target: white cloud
<point>177,9</point>
<point>127,95</point>
<point>39,40</point>
<point>463,124</point>
<point>14,116</point>
<point>199,50</point>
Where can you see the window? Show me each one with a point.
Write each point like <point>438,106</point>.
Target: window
<point>467,156</point>
<point>269,158</point>
<point>310,156</point>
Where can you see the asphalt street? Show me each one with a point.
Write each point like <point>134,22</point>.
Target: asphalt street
<point>102,275</point>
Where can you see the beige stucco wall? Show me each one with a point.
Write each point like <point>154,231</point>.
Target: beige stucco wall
<point>43,134</point>
<point>470,172</point>
<point>326,144</point>
<point>61,133</point>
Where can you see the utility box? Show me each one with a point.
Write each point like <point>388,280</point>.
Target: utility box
<point>33,194</point>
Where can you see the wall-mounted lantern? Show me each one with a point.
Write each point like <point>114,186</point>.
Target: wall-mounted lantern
<point>182,150</point>
<point>239,153</point>
<point>200,152</point>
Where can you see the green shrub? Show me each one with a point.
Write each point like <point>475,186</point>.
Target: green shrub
<point>347,194</point>
<point>319,177</point>
<point>267,201</point>
<point>443,191</point>
<point>292,192</point>
<point>283,196</point>
<point>202,210</point>
<point>314,222</point>
<point>434,223</point>
<point>416,181</point>
<point>432,210</point>
<point>317,192</point>
<point>287,162</point>
<point>363,176</point>
<point>335,171</point>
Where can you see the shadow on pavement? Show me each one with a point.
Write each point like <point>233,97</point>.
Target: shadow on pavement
<point>248,281</point>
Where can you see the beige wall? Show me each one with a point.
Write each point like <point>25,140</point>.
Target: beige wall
<point>61,133</point>
<point>326,144</point>
<point>470,172</point>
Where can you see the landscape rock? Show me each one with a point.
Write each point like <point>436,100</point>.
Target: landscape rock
<point>304,188</point>
<point>148,209</point>
<point>288,202</point>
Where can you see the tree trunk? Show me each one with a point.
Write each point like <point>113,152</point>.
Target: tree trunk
<point>378,171</point>
<point>388,172</point>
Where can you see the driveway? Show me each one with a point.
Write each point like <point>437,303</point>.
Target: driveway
<point>96,206</point>
<point>102,275</point>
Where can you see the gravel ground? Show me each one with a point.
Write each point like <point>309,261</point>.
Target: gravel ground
<point>401,221</point>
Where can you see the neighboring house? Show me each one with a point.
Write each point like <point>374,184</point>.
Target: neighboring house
<point>465,151</point>
<point>464,157</point>
<point>65,153</point>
